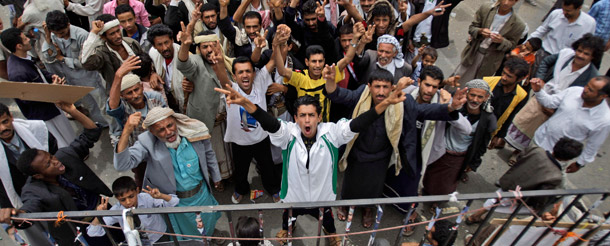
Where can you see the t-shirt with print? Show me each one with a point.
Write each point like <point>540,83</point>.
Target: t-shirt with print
<point>242,128</point>
<point>305,85</point>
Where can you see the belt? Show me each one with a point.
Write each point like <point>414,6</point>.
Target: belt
<point>189,193</point>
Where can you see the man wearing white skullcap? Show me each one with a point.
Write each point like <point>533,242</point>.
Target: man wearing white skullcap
<point>388,56</point>
<point>180,160</point>
<point>106,49</point>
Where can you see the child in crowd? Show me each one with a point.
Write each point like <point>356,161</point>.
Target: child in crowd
<point>428,57</point>
<point>126,191</point>
<point>249,227</point>
<point>527,51</point>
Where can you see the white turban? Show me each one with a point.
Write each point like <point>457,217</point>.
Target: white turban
<point>109,25</point>
<point>389,39</point>
<point>192,129</point>
<point>128,81</point>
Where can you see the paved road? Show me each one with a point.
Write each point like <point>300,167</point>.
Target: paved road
<point>494,165</point>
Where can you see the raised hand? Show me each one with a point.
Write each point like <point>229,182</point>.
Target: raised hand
<point>368,35</point>
<point>344,3</point>
<point>223,3</point>
<point>154,192</point>
<point>156,82</point>
<point>260,40</point>
<point>196,14</point>
<point>133,121</point>
<point>103,203</point>
<point>217,54</point>
<point>397,94</point>
<point>274,88</point>
<point>405,82</point>
<point>186,34</point>
<point>282,35</point>
<point>445,96</point>
<point>329,73</point>
<point>97,26</point>
<point>274,3</point>
<point>439,6</point>
<point>132,63</point>
<point>320,9</point>
<point>232,96</point>
<point>58,80</point>
<point>453,81</point>
<point>187,86</point>
<point>359,30</point>
<point>459,99</point>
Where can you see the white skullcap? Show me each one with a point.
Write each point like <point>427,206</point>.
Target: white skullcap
<point>192,129</point>
<point>128,81</point>
<point>109,25</point>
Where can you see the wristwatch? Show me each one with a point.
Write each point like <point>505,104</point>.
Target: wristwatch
<point>353,44</point>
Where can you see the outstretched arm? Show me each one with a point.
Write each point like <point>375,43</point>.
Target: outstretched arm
<point>267,121</point>
<point>413,20</point>
<point>282,35</point>
<point>359,31</point>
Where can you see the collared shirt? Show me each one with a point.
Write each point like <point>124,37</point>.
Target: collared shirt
<point>557,33</point>
<point>71,66</point>
<point>137,6</point>
<point>390,67</point>
<point>601,13</point>
<point>563,77</point>
<point>186,166</point>
<point>590,125</point>
<point>84,199</point>
<point>16,145</point>
<point>149,222</point>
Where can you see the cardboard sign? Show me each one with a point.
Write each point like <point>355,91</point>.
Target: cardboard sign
<point>43,92</point>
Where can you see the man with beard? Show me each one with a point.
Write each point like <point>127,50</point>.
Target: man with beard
<point>387,56</point>
<point>467,149</point>
<point>163,55</point>
<point>390,138</point>
<point>508,97</point>
<point>310,82</point>
<point>105,49</point>
<point>17,136</point>
<point>180,160</point>
<point>495,30</point>
<point>243,41</point>
<point>209,21</point>
<point>208,69</point>
<point>581,113</point>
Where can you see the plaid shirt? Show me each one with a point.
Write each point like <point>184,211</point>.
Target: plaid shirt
<point>601,13</point>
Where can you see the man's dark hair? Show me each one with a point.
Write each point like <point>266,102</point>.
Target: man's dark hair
<point>536,43</point>
<point>381,10</point>
<point>252,15</point>
<point>313,50</point>
<point>429,51</point>
<point>381,75</point>
<point>346,29</point>
<point>588,41</point>
<point>517,66</point>
<point>241,59</point>
<point>158,30</point>
<point>603,91</point>
<point>106,18</point>
<point>123,184</point>
<point>4,110</point>
<point>248,227</point>
<point>309,7</point>
<point>124,8</point>
<point>24,164</point>
<point>432,72</point>
<point>444,233</point>
<point>567,149</point>
<point>146,65</point>
<point>308,100</point>
<point>208,7</point>
<point>574,3</point>
<point>11,38</point>
<point>57,20</point>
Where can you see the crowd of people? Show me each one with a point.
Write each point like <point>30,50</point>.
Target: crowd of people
<point>192,92</point>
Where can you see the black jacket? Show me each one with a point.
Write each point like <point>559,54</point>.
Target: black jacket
<point>39,196</point>
<point>487,125</point>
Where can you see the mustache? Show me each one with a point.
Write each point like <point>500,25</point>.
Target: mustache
<point>6,131</point>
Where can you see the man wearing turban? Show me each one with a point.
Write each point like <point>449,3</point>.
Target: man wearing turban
<point>180,160</point>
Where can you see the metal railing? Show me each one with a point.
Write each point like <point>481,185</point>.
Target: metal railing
<point>468,198</point>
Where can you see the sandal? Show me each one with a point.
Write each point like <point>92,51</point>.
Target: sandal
<point>342,213</point>
<point>409,230</point>
<point>368,217</point>
<point>471,220</point>
<point>282,234</point>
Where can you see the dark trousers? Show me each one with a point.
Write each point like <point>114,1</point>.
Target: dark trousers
<point>261,152</point>
<point>327,221</point>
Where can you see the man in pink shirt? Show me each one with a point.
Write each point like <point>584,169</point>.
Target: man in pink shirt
<point>137,6</point>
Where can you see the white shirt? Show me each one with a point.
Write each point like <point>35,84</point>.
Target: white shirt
<point>496,25</point>
<point>590,125</point>
<point>557,33</point>
<point>238,118</point>
<point>149,222</point>
<point>426,25</point>
<point>563,77</point>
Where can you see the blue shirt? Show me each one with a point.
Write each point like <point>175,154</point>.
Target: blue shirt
<point>186,166</point>
<point>601,13</point>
